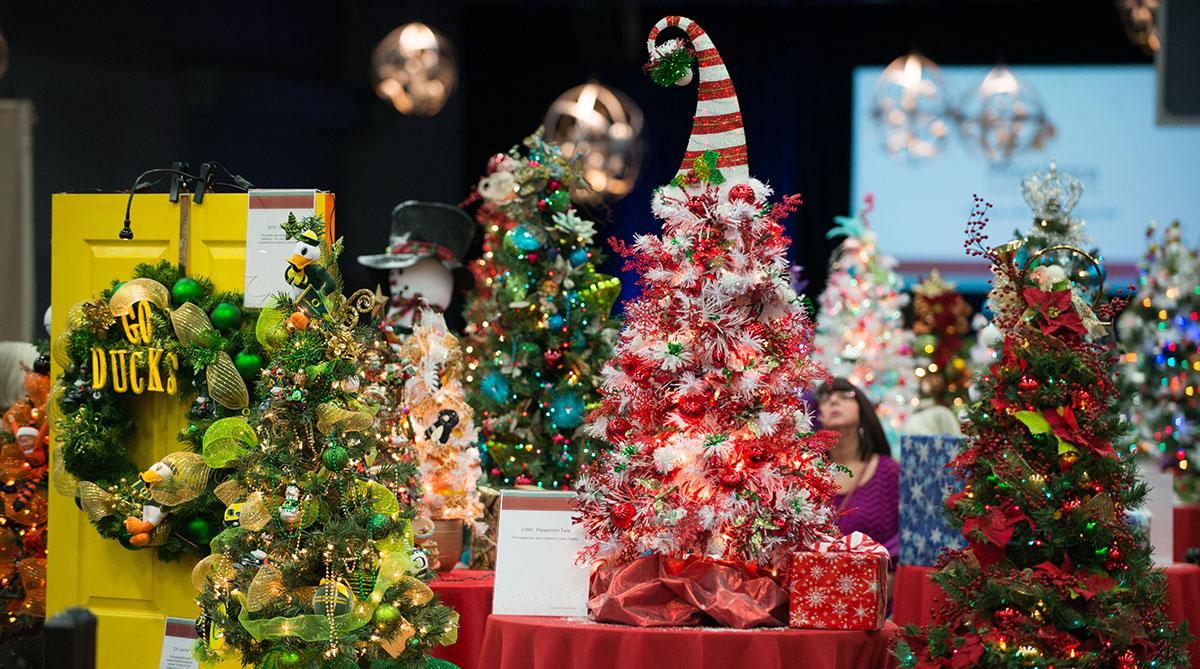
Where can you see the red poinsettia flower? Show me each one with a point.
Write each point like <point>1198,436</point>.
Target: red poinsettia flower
<point>997,528</point>
<point>1056,310</point>
<point>1066,427</point>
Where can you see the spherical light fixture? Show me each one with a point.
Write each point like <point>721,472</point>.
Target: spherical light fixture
<point>911,109</point>
<point>604,126</point>
<point>1004,117</point>
<point>415,69</point>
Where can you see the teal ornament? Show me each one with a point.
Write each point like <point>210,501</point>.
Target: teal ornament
<point>556,322</point>
<point>578,257</point>
<point>186,290</point>
<point>335,458</point>
<point>495,386</point>
<point>523,238</point>
<point>578,341</point>
<point>226,316</point>
<point>566,410</point>
<point>560,200</point>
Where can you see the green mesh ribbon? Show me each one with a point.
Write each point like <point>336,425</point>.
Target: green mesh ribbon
<point>269,329</point>
<point>381,500</point>
<point>227,440</point>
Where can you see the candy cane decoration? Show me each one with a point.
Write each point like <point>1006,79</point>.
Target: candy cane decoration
<point>717,125</point>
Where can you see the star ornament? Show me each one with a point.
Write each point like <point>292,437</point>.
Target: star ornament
<point>1055,310</point>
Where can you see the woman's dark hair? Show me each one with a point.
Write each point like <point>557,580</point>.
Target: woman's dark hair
<point>872,440</point>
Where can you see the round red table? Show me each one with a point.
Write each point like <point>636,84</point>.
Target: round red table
<point>916,595</point>
<point>519,642</point>
<point>470,593</point>
<point>1187,529</point>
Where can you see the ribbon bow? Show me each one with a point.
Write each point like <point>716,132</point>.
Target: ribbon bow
<point>855,542</point>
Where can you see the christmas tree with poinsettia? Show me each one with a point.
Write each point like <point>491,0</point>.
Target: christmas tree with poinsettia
<point>538,323</point>
<point>713,448</point>
<point>941,333</point>
<point>1160,380</point>
<point>860,325</point>
<point>1053,573</point>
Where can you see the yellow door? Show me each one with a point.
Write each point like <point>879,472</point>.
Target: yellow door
<point>130,592</point>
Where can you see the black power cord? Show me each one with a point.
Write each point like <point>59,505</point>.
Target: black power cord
<point>203,182</point>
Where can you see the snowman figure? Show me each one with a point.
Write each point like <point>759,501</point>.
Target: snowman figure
<point>428,242</point>
<point>290,511</point>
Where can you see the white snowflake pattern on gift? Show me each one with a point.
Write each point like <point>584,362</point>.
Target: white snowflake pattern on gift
<point>917,491</point>
<point>923,452</point>
<point>861,612</point>
<point>815,597</point>
<point>816,572</point>
<point>846,584</point>
<point>839,609</point>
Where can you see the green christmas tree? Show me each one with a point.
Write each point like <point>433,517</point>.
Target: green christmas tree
<point>1160,334</point>
<point>538,323</point>
<point>316,567</point>
<point>1053,573</point>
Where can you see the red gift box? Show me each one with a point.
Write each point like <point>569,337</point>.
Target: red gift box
<point>842,585</point>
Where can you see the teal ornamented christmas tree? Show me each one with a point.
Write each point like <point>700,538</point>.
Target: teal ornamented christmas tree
<point>538,323</point>
<point>1160,374</point>
<point>860,325</point>
<point>1053,573</point>
<point>316,567</point>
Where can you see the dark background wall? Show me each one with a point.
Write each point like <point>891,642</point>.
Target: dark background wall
<point>280,92</point>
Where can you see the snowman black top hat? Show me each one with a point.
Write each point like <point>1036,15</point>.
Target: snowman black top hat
<point>423,230</point>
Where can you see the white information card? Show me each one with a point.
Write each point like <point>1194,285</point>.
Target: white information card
<point>267,249</point>
<point>536,573</point>
<point>178,639</point>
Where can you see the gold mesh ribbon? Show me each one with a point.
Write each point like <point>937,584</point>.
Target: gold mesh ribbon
<point>33,580</point>
<point>139,290</point>
<point>188,481</point>
<point>269,330</point>
<point>97,502</point>
<point>393,565</point>
<point>225,385</point>
<point>329,415</point>
<point>63,481</point>
<point>211,566</point>
<point>226,440</point>
<point>34,511</point>
<point>255,514</point>
<point>266,587</point>
<point>229,491</point>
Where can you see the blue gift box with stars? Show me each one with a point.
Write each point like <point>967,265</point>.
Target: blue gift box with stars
<point>925,482</point>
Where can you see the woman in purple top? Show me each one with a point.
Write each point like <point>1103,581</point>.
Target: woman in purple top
<point>868,499</point>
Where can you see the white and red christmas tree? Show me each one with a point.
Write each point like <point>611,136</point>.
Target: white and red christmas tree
<point>714,452</point>
<point>860,325</point>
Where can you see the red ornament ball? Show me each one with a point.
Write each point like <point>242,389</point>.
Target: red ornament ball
<point>532,257</point>
<point>692,406</point>
<point>756,453</point>
<point>617,429</point>
<point>731,477</point>
<point>1028,383</point>
<point>622,515</point>
<point>742,193</point>
<point>697,206</point>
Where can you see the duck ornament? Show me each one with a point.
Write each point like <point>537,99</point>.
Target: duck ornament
<point>308,281</point>
<point>177,478</point>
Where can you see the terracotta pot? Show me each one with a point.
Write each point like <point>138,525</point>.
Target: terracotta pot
<point>448,533</point>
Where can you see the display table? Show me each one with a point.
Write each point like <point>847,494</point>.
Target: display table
<point>1187,529</point>
<point>470,593</point>
<point>518,642</point>
<point>916,595</point>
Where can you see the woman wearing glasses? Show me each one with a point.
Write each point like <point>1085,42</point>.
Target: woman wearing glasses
<point>869,486</point>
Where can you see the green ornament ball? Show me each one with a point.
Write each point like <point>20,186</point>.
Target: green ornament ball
<point>248,365</point>
<point>377,523</point>
<point>199,531</point>
<point>289,658</point>
<point>123,539</point>
<point>560,200</point>
<point>226,316</point>
<point>413,642</point>
<point>335,458</point>
<point>186,290</point>
<point>386,613</point>
<point>530,349</point>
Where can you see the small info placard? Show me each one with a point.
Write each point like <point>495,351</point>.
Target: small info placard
<point>267,248</point>
<point>178,639</point>
<point>536,573</point>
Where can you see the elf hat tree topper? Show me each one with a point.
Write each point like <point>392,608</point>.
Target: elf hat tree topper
<point>716,150</point>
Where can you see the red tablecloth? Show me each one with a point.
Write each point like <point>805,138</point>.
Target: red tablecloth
<point>916,595</point>
<point>470,593</point>
<point>518,642</point>
<point>1187,529</point>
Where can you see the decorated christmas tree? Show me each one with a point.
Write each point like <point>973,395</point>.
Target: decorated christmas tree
<point>316,567</point>
<point>713,449</point>
<point>1160,332</point>
<point>442,424</point>
<point>860,325</point>
<point>942,338</point>
<point>538,324</point>
<point>23,465</point>
<point>1053,574</point>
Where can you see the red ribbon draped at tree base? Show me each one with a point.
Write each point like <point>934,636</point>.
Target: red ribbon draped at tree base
<point>657,591</point>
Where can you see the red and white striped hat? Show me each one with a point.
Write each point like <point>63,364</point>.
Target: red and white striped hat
<point>717,125</point>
